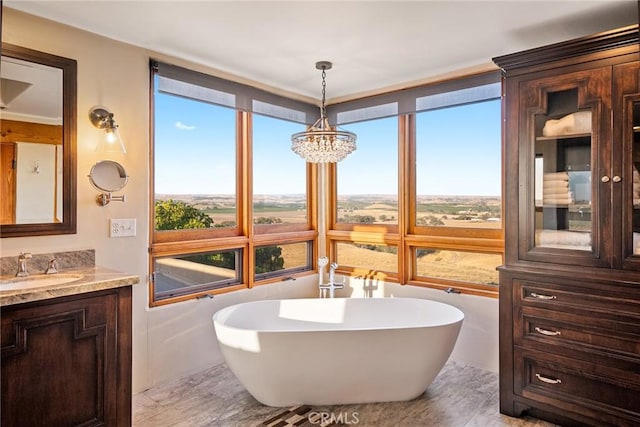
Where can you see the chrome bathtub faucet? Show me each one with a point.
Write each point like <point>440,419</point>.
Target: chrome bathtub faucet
<point>22,264</point>
<point>332,285</point>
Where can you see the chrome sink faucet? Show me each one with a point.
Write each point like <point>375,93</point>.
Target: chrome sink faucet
<point>53,267</point>
<point>332,285</point>
<point>22,264</point>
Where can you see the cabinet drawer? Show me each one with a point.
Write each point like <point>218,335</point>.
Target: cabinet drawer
<point>601,301</point>
<point>578,386</point>
<point>536,327</point>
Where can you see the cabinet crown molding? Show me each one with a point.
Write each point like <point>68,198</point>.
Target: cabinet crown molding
<point>626,37</point>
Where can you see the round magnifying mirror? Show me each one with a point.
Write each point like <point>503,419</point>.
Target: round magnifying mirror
<point>108,176</point>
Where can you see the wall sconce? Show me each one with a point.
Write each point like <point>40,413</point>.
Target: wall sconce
<point>103,119</point>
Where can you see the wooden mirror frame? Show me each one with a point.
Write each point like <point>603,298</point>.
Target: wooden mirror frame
<point>69,161</point>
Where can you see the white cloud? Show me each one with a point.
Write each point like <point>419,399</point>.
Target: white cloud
<point>182,126</point>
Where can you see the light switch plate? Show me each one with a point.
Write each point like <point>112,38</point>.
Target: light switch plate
<point>122,227</point>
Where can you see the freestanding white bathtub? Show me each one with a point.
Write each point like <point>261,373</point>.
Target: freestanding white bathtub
<point>337,351</point>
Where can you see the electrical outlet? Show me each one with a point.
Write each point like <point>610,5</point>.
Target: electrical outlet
<point>122,227</point>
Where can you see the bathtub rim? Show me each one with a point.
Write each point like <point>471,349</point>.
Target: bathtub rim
<point>216,321</point>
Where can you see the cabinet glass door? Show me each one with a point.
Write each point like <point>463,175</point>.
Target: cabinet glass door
<point>562,174</point>
<point>564,192</point>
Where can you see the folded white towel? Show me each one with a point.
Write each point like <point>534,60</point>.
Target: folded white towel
<point>578,122</point>
<point>552,176</point>
<point>556,183</point>
<point>557,201</point>
<point>555,192</point>
<point>563,239</point>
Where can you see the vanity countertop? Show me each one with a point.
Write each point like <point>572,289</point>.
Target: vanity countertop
<point>74,281</point>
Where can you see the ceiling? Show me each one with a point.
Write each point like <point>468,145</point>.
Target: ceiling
<point>30,92</point>
<point>374,45</point>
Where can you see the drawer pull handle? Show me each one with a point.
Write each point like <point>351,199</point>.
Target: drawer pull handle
<point>542,296</point>
<point>548,380</point>
<point>547,332</point>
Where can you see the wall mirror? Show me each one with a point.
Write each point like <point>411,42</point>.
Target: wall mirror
<point>108,176</point>
<point>38,136</point>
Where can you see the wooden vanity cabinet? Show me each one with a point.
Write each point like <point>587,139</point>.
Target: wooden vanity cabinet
<point>570,285</point>
<point>67,361</point>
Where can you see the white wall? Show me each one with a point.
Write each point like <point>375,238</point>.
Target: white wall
<point>175,340</point>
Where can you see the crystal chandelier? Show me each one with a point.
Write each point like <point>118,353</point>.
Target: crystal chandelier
<point>323,143</point>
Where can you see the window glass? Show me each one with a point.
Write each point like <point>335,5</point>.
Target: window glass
<point>185,274</point>
<point>368,256</point>
<point>471,267</point>
<point>367,179</point>
<point>276,260</point>
<point>194,164</point>
<point>279,175</point>
<point>458,166</point>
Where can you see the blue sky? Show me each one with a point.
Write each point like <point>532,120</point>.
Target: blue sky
<point>458,152</point>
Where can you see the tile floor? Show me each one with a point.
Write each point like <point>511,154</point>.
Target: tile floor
<point>461,396</point>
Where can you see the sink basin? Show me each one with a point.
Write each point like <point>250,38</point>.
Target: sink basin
<point>37,281</point>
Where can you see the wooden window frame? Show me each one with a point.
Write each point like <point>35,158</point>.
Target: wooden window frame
<point>245,236</point>
<point>407,236</point>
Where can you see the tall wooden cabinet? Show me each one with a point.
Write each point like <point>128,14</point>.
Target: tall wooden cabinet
<point>570,285</point>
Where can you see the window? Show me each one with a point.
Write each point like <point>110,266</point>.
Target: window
<point>182,275</point>
<point>195,160</point>
<point>457,266</point>
<point>417,203</point>
<point>232,205</point>
<point>367,258</point>
<point>282,258</point>
<point>458,166</point>
<point>368,178</point>
<point>439,148</point>
<point>279,175</point>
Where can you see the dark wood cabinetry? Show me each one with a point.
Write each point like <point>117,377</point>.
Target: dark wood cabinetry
<point>67,361</point>
<point>570,285</point>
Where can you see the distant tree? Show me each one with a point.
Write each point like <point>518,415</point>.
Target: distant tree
<point>220,259</point>
<point>435,221</point>
<point>358,219</point>
<point>269,259</point>
<point>225,224</point>
<point>422,252</point>
<point>382,218</point>
<point>177,215</point>
<point>267,220</point>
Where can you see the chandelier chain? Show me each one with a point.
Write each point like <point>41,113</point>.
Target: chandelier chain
<point>323,113</point>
